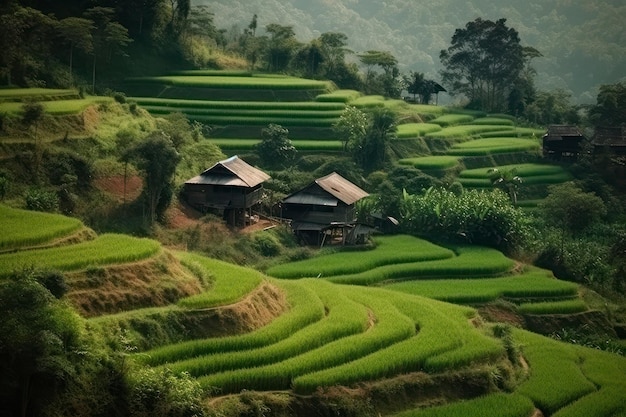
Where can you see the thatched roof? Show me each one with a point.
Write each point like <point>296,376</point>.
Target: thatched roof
<point>563,132</point>
<point>233,172</point>
<point>334,188</point>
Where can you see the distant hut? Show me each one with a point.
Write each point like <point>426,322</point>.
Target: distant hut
<point>325,209</point>
<point>563,141</point>
<point>609,140</point>
<point>230,188</point>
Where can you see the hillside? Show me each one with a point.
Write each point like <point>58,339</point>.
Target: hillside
<point>582,42</point>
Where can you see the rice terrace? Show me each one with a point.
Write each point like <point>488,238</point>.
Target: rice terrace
<point>222,223</point>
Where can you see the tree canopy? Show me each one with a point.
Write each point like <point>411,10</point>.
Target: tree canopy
<point>483,61</point>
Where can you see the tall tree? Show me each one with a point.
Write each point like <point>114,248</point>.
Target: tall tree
<point>280,47</point>
<point>275,148</point>
<point>370,150</point>
<point>109,36</point>
<point>351,126</point>
<point>157,158</point>
<point>77,33</point>
<point>610,108</point>
<point>388,82</point>
<point>483,61</point>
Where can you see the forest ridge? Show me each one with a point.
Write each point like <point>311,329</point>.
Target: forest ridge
<point>583,43</point>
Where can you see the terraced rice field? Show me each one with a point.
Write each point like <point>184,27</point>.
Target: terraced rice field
<point>22,228</point>
<point>57,107</point>
<point>434,162</point>
<point>531,174</point>
<point>107,249</point>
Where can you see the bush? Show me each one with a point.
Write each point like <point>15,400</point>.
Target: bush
<point>42,200</point>
<point>267,244</point>
<point>161,393</point>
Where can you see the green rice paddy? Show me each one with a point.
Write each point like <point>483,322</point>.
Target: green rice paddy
<point>22,228</point>
<point>435,162</point>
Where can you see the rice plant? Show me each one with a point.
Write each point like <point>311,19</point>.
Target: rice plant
<point>479,147</point>
<point>41,94</point>
<point>344,318</point>
<point>229,282</point>
<point>471,261</point>
<point>415,130</point>
<point>58,107</point>
<point>491,120</point>
<point>435,162</point>
<point>236,82</point>
<point>339,96</point>
<point>156,102</point>
<point>452,119</point>
<point>389,250</point>
<point>305,308</point>
<point>554,307</point>
<point>22,228</point>
<point>391,327</point>
<point>105,250</point>
<point>535,283</point>
<point>556,377</point>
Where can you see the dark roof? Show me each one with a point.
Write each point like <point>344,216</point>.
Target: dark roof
<point>339,188</point>
<point>233,172</point>
<point>560,132</point>
<point>610,136</point>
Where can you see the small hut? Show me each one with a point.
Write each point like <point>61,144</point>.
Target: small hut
<point>562,142</point>
<point>325,209</point>
<point>230,188</point>
<point>610,140</point>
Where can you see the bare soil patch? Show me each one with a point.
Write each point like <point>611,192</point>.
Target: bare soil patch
<point>119,188</point>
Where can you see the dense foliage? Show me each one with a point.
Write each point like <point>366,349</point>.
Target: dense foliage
<point>480,217</point>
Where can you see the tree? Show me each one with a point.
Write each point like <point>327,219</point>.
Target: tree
<point>109,37</point>
<point>387,82</point>
<point>351,126</point>
<point>483,61</point>
<point>280,46</point>
<point>40,341</point>
<point>157,158</point>
<point>610,108</point>
<point>275,148</point>
<point>309,59</point>
<point>571,209</point>
<point>77,32</point>
<point>552,107</point>
<point>370,151</point>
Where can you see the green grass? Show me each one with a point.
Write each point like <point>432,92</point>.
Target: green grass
<point>154,102</point>
<point>464,131</point>
<point>38,94</point>
<point>21,228</point>
<point>531,174</point>
<point>105,250</point>
<point>339,96</point>
<point>498,121</point>
<point>365,102</point>
<point>452,119</point>
<point>481,147</point>
<point>237,82</point>
<point>57,107</point>
<point>471,261</point>
<point>535,283</point>
<point>436,162</point>
<point>556,378</point>
<point>306,308</point>
<point>554,307</point>
<point>518,132</point>
<point>390,250</point>
<point>416,130</point>
<point>229,283</point>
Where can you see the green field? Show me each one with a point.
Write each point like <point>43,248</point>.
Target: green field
<point>107,249</point>
<point>57,107</point>
<point>435,162</point>
<point>21,228</point>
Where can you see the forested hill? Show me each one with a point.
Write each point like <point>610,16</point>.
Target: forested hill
<point>583,42</point>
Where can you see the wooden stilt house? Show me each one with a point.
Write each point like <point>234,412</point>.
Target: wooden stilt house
<point>325,210</point>
<point>229,188</point>
<point>563,142</point>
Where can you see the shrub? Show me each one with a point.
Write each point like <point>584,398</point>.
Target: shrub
<point>42,200</point>
<point>267,244</point>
